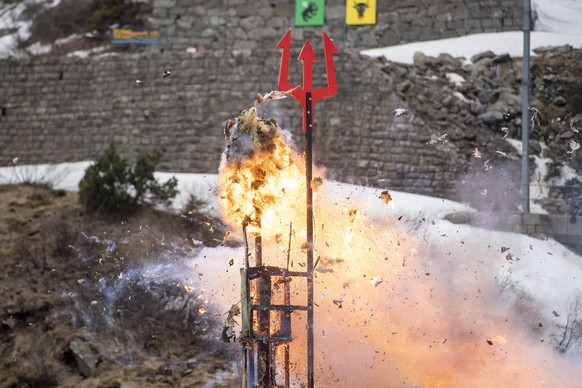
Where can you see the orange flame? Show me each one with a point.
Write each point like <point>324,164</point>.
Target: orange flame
<point>266,187</point>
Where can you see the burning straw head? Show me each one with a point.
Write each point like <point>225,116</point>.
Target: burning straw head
<point>261,178</point>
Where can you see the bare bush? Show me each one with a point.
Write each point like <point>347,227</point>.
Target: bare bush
<point>572,330</point>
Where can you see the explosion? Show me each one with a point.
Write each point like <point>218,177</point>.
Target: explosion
<point>389,309</point>
<point>261,177</point>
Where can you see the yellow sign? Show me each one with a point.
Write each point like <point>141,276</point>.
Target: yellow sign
<point>142,35</point>
<point>360,12</point>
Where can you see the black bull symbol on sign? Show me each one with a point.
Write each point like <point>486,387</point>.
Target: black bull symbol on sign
<point>361,8</point>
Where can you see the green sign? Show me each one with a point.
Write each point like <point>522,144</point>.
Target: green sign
<point>309,12</point>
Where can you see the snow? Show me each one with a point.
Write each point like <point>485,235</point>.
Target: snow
<point>11,18</point>
<point>455,79</point>
<point>37,48</point>
<point>557,16</point>
<point>88,53</point>
<point>466,46</point>
<point>461,97</point>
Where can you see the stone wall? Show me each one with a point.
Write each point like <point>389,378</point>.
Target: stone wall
<point>242,24</point>
<point>70,109</point>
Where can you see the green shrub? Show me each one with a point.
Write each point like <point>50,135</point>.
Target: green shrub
<point>112,185</point>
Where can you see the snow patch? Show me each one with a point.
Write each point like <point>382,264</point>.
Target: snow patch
<point>455,79</point>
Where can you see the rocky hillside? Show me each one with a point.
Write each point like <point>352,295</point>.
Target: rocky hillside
<point>478,105</point>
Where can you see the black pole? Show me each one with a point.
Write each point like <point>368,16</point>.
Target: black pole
<point>525,108</point>
<point>309,203</point>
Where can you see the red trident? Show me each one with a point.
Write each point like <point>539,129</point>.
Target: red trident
<point>308,57</point>
<point>308,98</point>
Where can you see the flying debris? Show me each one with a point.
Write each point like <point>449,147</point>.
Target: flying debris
<point>535,118</point>
<point>505,130</point>
<point>385,196</point>
<point>574,146</point>
<point>226,236</point>
<point>503,249</point>
<point>399,112</point>
<point>166,73</point>
<point>15,160</point>
<point>274,95</point>
<point>375,281</point>
<point>228,329</point>
<point>476,153</point>
<point>486,164</point>
<point>507,156</point>
<point>352,213</point>
<point>316,183</point>
<point>573,126</point>
<point>138,82</point>
<point>439,140</point>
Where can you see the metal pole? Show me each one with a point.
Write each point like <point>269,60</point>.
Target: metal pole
<point>309,202</point>
<point>525,109</point>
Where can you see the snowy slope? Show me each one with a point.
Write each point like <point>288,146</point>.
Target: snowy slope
<point>445,282</point>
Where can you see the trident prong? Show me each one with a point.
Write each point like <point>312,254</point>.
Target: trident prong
<point>285,44</point>
<point>331,89</point>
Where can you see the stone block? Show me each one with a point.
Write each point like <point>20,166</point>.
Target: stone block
<point>85,358</point>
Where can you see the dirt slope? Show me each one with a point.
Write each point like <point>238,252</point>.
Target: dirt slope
<point>67,275</point>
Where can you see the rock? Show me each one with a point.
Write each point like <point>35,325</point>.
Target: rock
<point>403,86</point>
<point>503,58</point>
<point>560,101</point>
<point>470,133</point>
<point>486,54</point>
<point>491,118</point>
<point>421,60</point>
<point>449,60</point>
<point>507,102</point>
<point>448,101</point>
<point>245,45</point>
<point>251,22</point>
<point>485,96</point>
<point>549,78</point>
<point>476,107</point>
<point>84,356</point>
<point>550,51</point>
<point>565,135</point>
